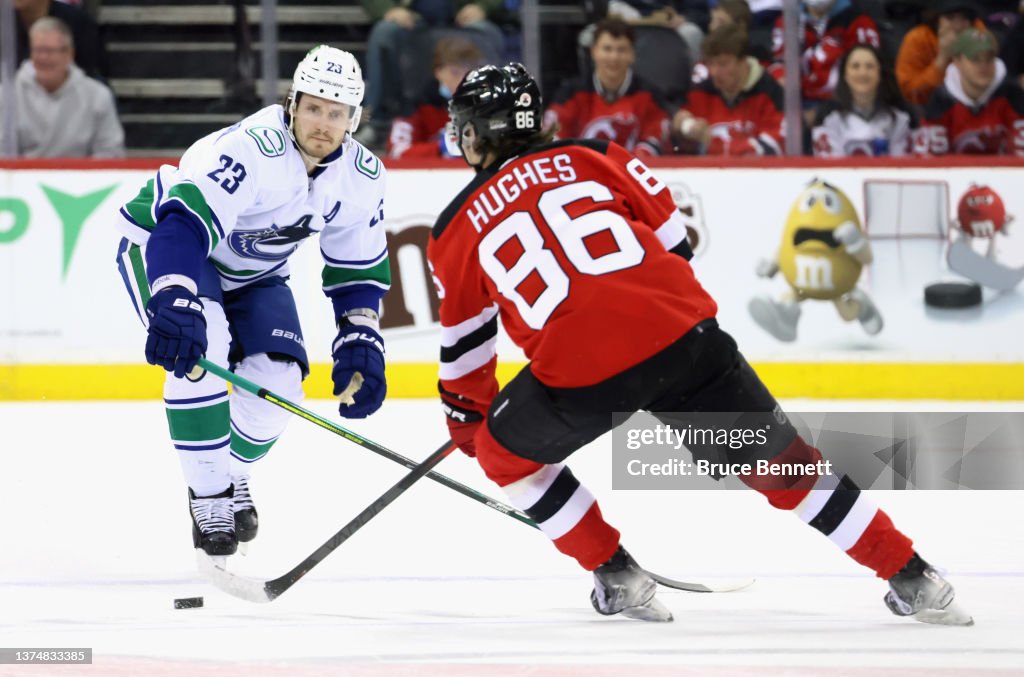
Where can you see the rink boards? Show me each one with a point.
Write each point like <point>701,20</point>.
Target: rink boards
<point>68,331</point>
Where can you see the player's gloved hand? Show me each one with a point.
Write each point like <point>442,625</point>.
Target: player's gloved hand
<point>463,421</point>
<point>177,330</point>
<point>359,349</point>
<point>766,267</point>
<point>849,235</point>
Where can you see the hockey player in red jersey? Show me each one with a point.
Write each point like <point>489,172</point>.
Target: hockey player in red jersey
<point>578,247</point>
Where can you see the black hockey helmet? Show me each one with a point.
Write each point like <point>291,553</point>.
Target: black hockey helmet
<point>502,103</point>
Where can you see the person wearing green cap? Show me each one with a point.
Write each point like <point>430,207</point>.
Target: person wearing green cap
<point>977,109</point>
<point>925,51</point>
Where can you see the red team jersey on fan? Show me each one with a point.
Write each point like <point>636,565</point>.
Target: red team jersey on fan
<point>637,120</point>
<point>750,125</point>
<point>953,124</point>
<point>824,43</point>
<point>551,242</point>
<point>418,134</point>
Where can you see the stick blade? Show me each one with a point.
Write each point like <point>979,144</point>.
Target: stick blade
<point>983,270</point>
<point>242,587</point>
<point>701,587</point>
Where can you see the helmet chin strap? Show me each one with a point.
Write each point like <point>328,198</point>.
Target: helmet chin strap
<point>302,151</point>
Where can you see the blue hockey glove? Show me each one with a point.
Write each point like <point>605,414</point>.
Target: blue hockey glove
<point>177,330</point>
<point>359,350</point>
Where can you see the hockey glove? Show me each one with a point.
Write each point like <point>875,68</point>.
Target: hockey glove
<point>359,350</point>
<point>177,330</point>
<point>463,421</point>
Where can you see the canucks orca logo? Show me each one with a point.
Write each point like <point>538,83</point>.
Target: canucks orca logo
<point>271,244</point>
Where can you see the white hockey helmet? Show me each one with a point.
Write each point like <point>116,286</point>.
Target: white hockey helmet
<point>332,74</point>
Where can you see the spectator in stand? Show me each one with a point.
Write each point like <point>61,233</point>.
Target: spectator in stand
<point>1013,50</point>
<point>61,111</point>
<point>977,109</point>
<point>89,53</point>
<point>724,13</point>
<point>830,29</point>
<point>393,22</point>
<point>614,103</point>
<point>729,12</point>
<point>421,133</point>
<point>765,12</point>
<point>926,50</point>
<point>867,115</point>
<point>738,110</point>
<point>689,18</point>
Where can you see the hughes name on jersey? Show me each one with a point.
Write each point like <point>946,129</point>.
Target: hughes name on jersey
<point>247,190</point>
<point>549,242</point>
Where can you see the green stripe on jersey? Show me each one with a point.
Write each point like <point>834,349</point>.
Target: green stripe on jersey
<point>140,207</point>
<point>379,274</point>
<point>201,424</point>
<point>138,267</point>
<point>250,451</point>
<point>193,198</point>
<point>237,273</point>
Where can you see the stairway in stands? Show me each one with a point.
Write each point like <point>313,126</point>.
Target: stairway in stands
<point>176,70</point>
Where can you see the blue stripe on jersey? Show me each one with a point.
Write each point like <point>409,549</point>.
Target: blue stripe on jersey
<point>128,217</point>
<point>125,275</point>
<point>250,437</point>
<point>201,447</point>
<point>248,278</point>
<point>195,400</point>
<point>364,262</point>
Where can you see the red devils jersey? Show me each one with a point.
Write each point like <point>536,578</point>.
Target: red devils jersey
<point>950,125</point>
<point>419,134</point>
<point>570,245</point>
<point>637,120</point>
<point>751,125</point>
<point>824,43</point>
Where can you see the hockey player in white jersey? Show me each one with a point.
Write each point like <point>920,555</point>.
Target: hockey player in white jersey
<point>205,259</point>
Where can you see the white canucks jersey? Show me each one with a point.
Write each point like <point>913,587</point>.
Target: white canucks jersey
<point>248,186</point>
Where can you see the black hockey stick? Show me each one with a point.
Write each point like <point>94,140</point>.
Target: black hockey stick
<point>263,393</point>
<point>255,590</point>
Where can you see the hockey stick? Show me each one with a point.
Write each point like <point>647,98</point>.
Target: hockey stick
<point>263,393</point>
<point>255,590</point>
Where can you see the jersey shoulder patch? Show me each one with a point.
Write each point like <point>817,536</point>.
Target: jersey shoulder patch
<point>270,141</point>
<point>366,163</point>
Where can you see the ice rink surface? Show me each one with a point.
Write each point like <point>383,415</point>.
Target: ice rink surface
<point>96,546</point>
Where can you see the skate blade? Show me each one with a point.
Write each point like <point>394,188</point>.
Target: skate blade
<point>951,615</point>
<point>243,549</point>
<point>652,611</point>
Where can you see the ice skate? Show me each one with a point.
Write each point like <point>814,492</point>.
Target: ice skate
<point>920,592</point>
<point>621,586</point>
<point>246,520</point>
<point>213,527</point>
<point>777,318</point>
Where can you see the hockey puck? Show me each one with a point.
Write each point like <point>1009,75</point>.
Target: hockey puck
<point>952,295</point>
<point>188,603</point>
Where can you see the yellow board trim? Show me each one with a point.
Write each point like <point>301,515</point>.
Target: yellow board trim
<point>824,380</point>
